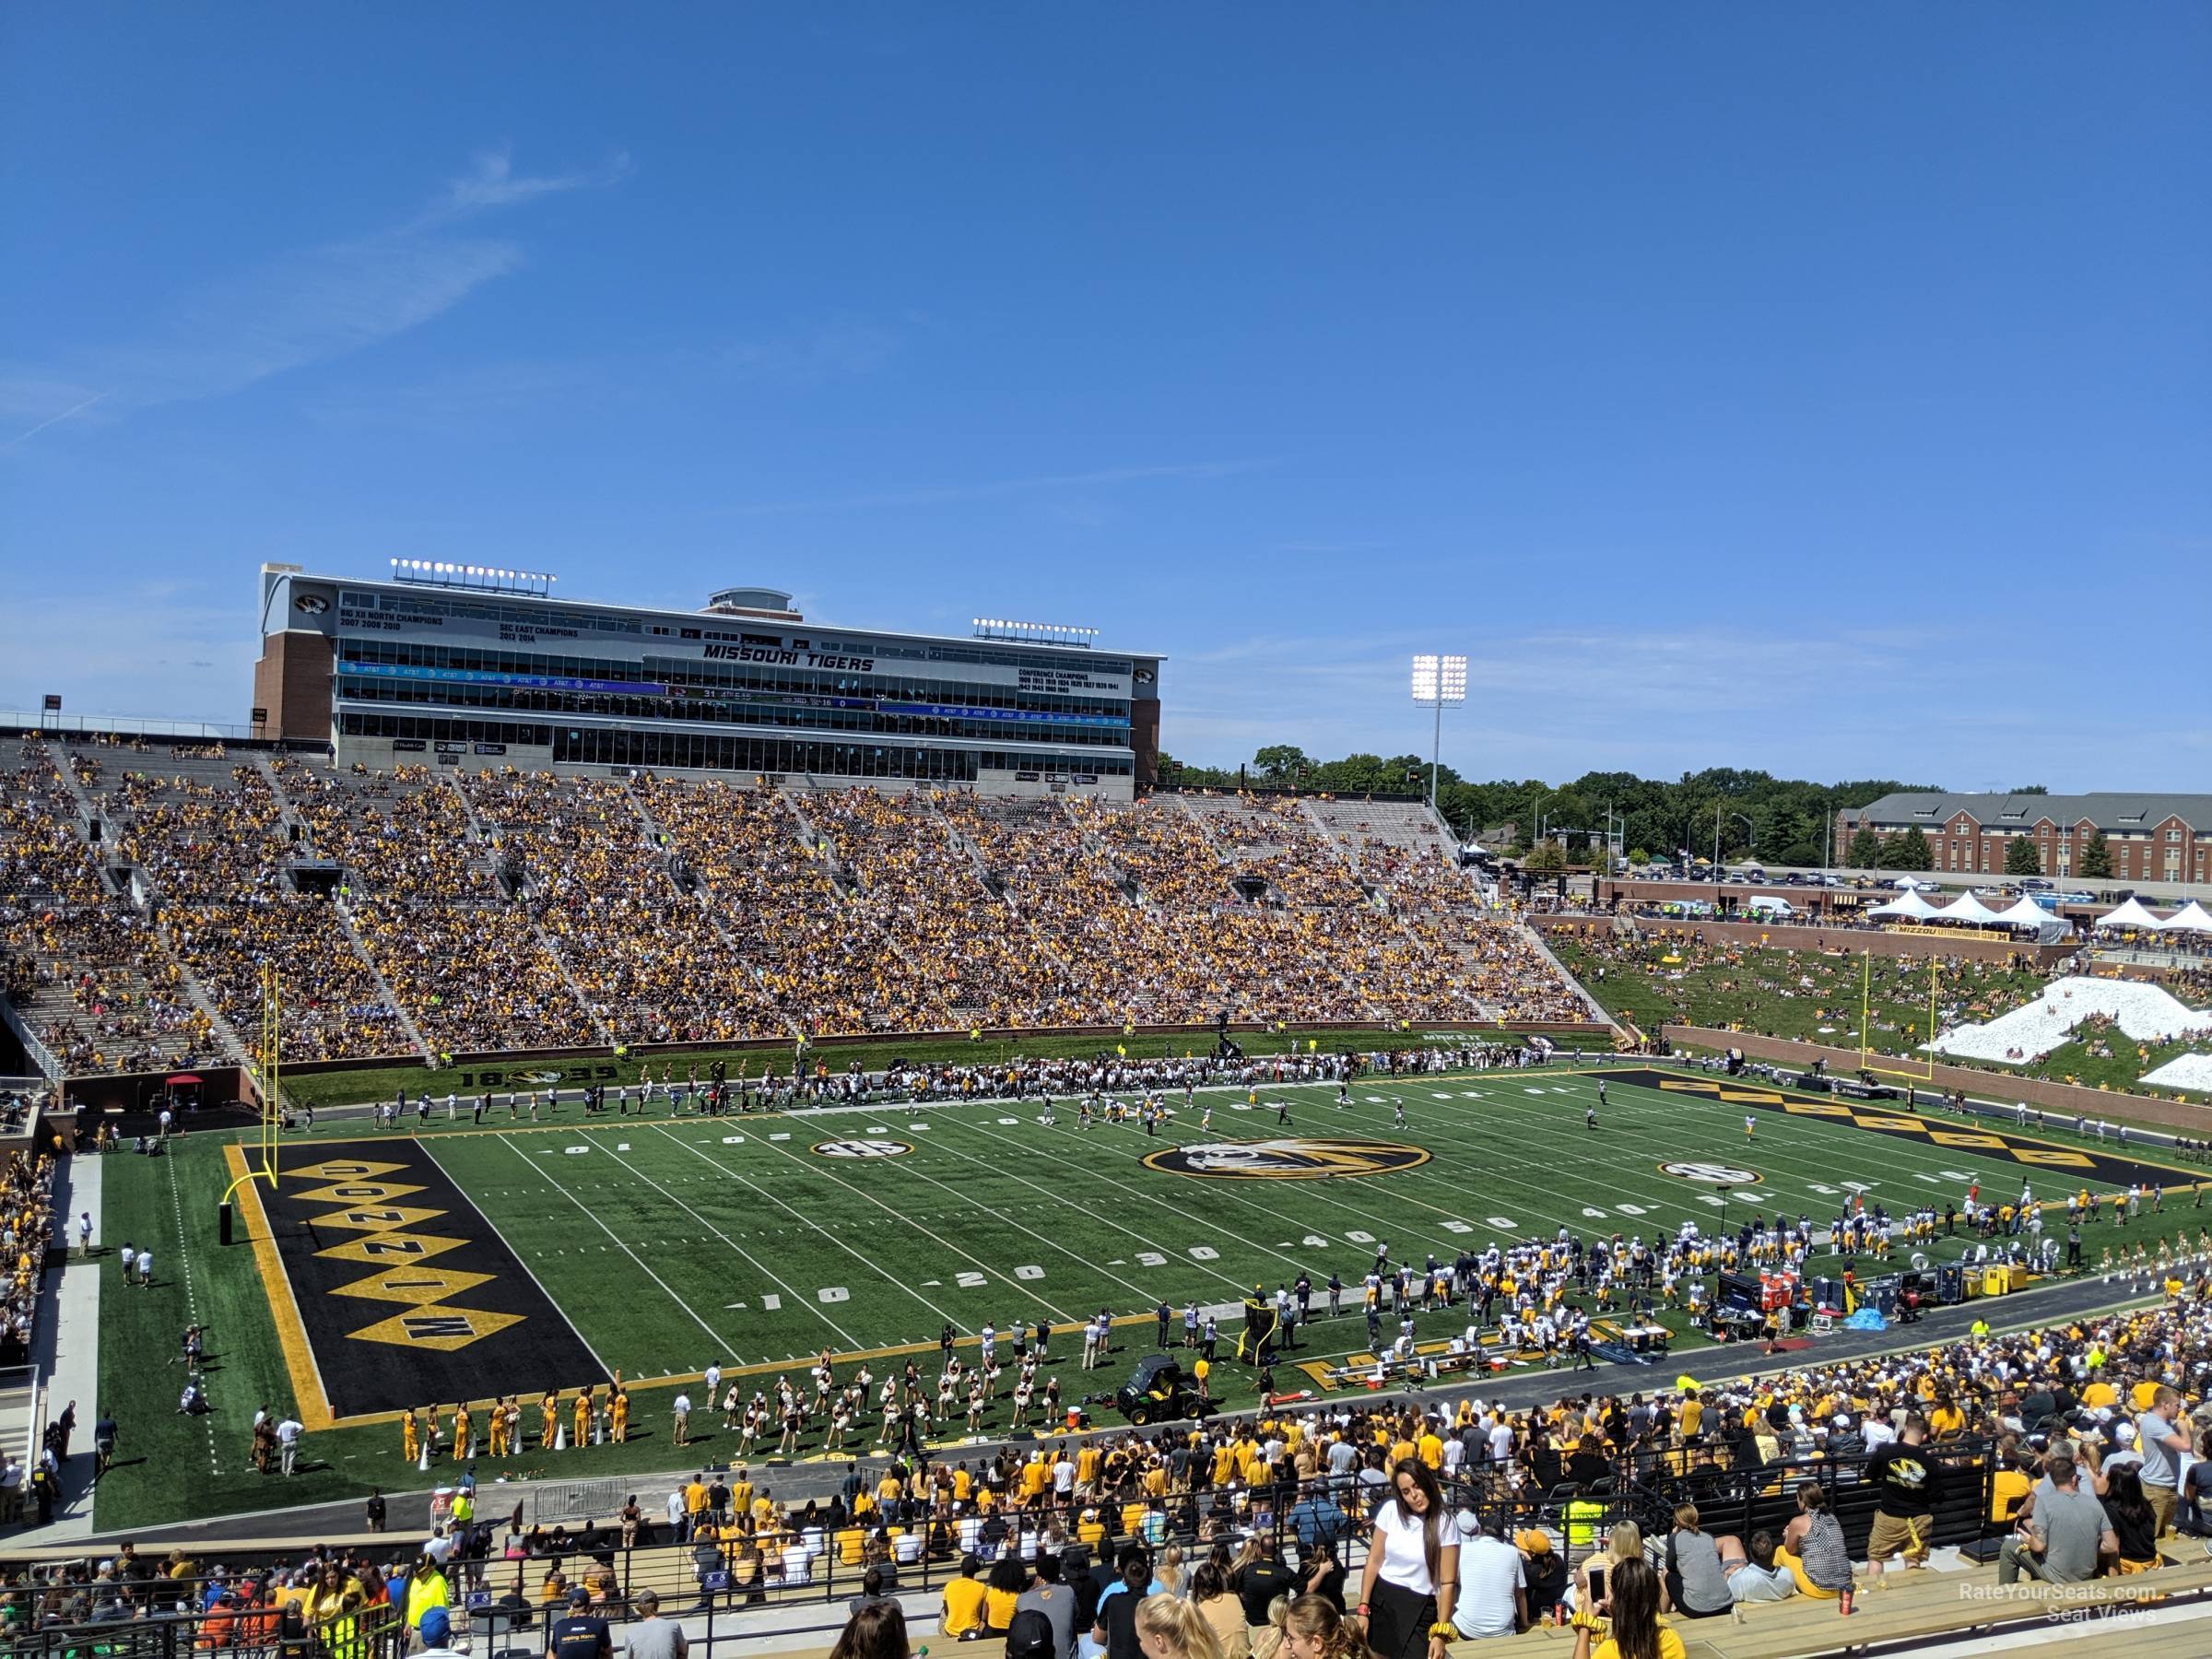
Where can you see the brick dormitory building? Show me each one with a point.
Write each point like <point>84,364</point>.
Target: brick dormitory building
<point>2149,837</point>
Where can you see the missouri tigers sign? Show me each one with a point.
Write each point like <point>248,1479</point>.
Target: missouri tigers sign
<point>1286,1159</point>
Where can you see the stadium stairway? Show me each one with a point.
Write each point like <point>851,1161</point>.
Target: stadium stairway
<point>658,837</point>
<point>70,781</point>
<point>1097,849</point>
<point>226,1034</point>
<point>416,1040</point>
<point>1537,943</point>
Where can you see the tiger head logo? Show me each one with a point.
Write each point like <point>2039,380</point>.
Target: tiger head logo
<point>1287,1158</point>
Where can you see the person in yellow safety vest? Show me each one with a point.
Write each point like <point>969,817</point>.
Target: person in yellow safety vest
<point>1583,1516</point>
<point>342,1636</point>
<point>1979,1328</point>
<point>426,1589</point>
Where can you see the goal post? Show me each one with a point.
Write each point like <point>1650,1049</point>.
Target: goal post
<point>260,1153</point>
<point>1867,1057</point>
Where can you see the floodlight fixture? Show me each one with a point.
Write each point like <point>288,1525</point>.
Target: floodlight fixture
<point>1439,682</point>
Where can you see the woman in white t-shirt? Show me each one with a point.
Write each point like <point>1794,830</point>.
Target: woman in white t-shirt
<point>1412,1574</point>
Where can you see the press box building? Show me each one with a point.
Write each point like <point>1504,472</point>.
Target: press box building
<point>468,666</point>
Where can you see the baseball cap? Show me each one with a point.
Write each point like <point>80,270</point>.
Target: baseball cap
<point>437,1627</point>
<point>580,1597</point>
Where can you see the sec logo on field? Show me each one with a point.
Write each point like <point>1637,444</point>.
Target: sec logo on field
<point>862,1149</point>
<point>1712,1174</point>
<point>1287,1159</point>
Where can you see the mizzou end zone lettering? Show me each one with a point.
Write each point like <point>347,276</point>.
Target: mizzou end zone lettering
<point>403,1291</point>
<point>2087,1164</point>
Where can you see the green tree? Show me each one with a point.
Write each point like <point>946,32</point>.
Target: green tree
<point>1864,852</point>
<point>1799,855</point>
<point>1639,857</point>
<point>1280,762</point>
<point>1908,850</point>
<point>1546,860</point>
<point>2020,857</point>
<point>1172,771</point>
<point>2096,858</point>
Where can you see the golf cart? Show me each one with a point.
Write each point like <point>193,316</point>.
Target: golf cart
<point>1157,1392</point>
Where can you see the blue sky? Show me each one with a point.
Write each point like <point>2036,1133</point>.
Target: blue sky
<point>1822,389</point>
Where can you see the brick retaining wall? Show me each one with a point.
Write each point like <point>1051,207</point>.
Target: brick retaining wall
<point>1787,937</point>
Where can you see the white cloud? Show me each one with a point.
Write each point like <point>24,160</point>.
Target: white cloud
<point>491,181</point>
<point>77,409</point>
<point>298,309</point>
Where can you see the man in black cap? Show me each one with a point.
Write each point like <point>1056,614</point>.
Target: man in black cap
<point>580,1635</point>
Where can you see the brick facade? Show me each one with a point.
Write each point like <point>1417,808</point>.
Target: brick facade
<point>1970,836</point>
<point>291,681</point>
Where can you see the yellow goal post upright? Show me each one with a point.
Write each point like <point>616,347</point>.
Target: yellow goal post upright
<point>1926,1074</point>
<point>260,1154</point>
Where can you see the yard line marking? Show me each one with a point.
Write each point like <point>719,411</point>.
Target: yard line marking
<point>808,1220</point>
<point>192,1297</point>
<point>1150,1198</point>
<point>720,1340</point>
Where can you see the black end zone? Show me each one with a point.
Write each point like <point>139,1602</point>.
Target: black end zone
<point>407,1296</point>
<point>1851,1104</point>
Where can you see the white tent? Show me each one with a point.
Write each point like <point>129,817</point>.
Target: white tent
<point>2026,914</point>
<point>1909,883</point>
<point>1968,908</point>
<point>2191,918</point>
<point>1913,907</point>
<point>2131,915</point>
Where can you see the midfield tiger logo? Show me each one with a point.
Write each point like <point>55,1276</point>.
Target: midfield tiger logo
<point>1287,1158</point>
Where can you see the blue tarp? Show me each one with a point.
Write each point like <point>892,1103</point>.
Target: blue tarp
<point>1866,1318</point>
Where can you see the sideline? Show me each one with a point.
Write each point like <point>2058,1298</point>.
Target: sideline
<point>819,1477</point>
<point>65,1349</point>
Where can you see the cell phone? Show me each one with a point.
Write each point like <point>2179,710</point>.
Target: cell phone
<point>1598,1583</point>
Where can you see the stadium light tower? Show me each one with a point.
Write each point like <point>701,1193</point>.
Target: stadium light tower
<point>1438,681</point>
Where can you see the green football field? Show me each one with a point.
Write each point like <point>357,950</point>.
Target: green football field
<point>394,1269</point>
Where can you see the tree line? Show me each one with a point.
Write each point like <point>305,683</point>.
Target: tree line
<point>1777,821</point>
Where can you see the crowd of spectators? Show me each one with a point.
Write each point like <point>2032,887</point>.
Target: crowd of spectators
<point>217,852</point>
<point>643,948</point>
<point>777,889</point>
<point>26,1224</point>
<point>505,911</point>
<point>80,960</point>
<point>917,889</point>
<point>2091,1439</point>
<point>468,966</point>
